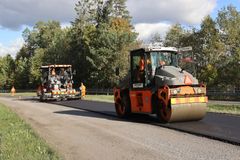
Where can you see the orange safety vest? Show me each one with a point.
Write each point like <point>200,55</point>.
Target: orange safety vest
<point>83,90</point>
<point>141,64</point>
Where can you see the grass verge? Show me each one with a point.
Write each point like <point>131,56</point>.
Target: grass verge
<point>232,109</point>
<point>18,140</point>
<point>23,94</point>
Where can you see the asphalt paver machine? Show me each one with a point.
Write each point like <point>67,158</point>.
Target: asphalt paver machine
<point>57,83</point>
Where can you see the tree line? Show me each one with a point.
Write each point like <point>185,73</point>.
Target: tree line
<point>101,36</point>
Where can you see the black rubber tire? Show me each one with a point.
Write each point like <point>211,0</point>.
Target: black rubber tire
<point>162,115</point>
<point>42,99</point>
<point>158,110</point>
<point>123,110</point>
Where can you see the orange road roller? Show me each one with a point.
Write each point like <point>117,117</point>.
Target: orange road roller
<point>156,84</point>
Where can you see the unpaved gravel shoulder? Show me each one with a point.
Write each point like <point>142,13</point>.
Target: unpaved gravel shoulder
<point>78,134</point>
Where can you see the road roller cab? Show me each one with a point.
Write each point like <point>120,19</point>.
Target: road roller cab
<point>156,84</point>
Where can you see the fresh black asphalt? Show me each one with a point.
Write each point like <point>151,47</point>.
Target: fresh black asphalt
<point>223,127</point>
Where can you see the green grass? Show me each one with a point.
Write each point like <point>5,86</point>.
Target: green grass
<point>232,109</point>
<point>22,94</point>
<point>19,142</point>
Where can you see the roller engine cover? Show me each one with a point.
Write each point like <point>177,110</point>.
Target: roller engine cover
<point>173,76</point>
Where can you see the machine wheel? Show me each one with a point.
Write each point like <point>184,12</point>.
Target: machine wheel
<point>42,99</point>
<point>123,110</point>
<point>164,112</point>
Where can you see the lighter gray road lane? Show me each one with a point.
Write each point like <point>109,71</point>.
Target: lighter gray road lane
<point>79,134</point>
<point>227,103</point>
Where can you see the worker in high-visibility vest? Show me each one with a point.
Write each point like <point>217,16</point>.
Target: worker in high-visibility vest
<point>140,76</point>
<point>83,90</point>
<point>13,91</point>
<point>141,64</point>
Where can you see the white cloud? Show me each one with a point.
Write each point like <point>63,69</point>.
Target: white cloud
<point>175,11</point>
<point>149,16</point>
<point>146,30</point>
<point>65,25</point>
<point>12,48</point>
<point>14,13</point>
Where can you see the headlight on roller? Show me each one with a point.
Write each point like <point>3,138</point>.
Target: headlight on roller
<point>175,91</point>
<point>200,90</point>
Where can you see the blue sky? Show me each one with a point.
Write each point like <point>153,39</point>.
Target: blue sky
<point>146,23</point>
<point>7,36</point>
<point>224,3</point>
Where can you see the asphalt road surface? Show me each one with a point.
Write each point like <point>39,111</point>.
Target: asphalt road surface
<point>222,127</point>
<point>78,135</point>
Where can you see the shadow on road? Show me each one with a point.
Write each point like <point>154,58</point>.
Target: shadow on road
<point>135,118</point>
<point>84,113</point>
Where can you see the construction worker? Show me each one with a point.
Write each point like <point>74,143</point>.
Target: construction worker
<point>141,69</point>
<point>13,91</point>
<point>149,70</point>
<point>162,63</point>
<point>39,89</point>
<point>56,85</point>
<point>53,72</point>
<point>69,84</point>
<point>141,64</point>
<point>53,79</point>
<point>149,63</point>
<point>83,90</point>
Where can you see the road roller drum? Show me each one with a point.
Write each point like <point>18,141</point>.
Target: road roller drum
<point>184,112</point>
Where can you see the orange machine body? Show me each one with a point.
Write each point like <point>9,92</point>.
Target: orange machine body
<point>141,101</point>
